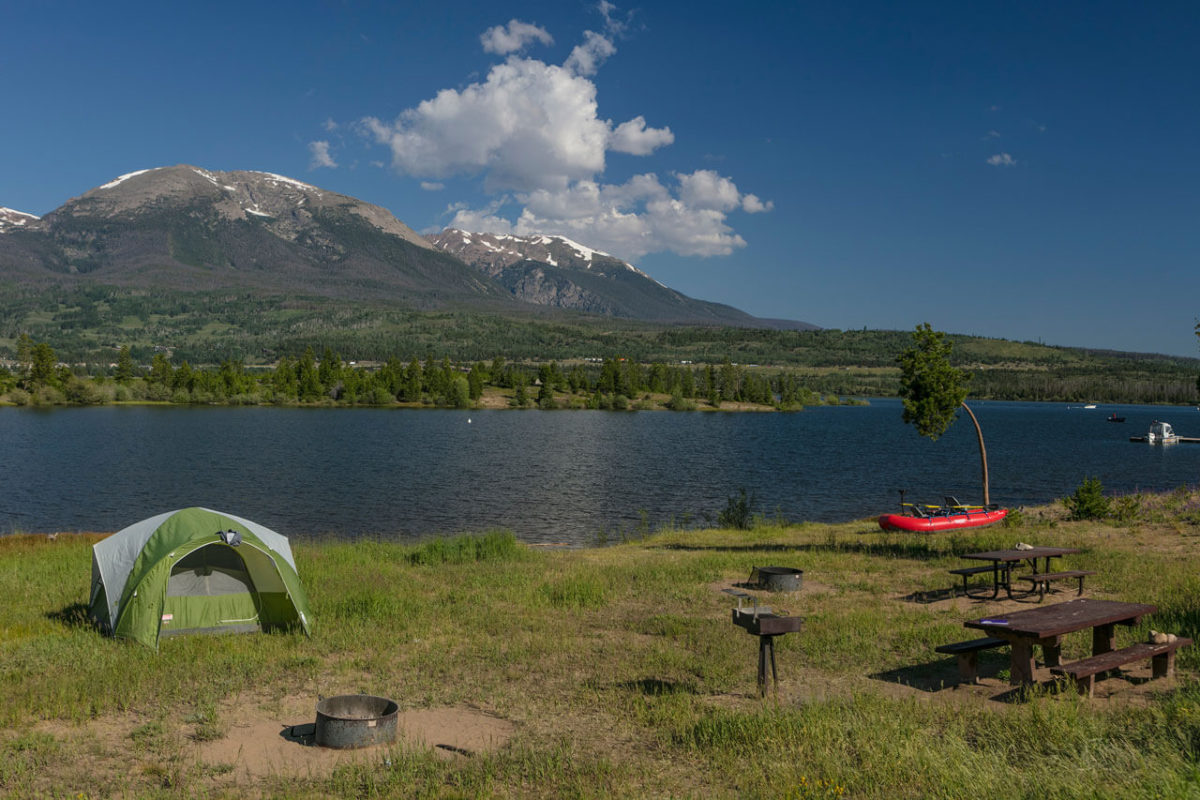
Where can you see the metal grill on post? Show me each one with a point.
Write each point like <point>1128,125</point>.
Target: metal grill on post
<point>762,622</point>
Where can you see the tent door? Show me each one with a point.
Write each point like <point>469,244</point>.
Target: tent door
<point>210,591</point>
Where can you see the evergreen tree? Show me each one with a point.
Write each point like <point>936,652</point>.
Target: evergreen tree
<point>309,382</point>
<point>687,383</point>
<point>392,376</point>
<point>545,397</point>
<point>413,381</point>
<point>475,381</point>
<point>431,378</point>
<point>160,371</point>
<point>520,396</point>
<point>609,377</point>
<point>283,380</point>
<point>660,378</point>
<point>126,371</point>
<point>633,379</point>
<point>711,390</point>
<point>43,361</point>
<point>730,383</point>
<point>234,377</point>
<point>24,355</point>
<point>330,370</point>
<point>577,380</point>
<point>184,378</point>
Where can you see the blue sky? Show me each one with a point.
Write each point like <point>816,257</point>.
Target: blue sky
<point>1022,170</point>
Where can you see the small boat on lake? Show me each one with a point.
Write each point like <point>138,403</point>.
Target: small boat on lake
<point>1114,418</point>
<point>952,516</point>
<point>1159,433</point>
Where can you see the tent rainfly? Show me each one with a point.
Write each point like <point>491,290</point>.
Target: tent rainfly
<point>195,571</point>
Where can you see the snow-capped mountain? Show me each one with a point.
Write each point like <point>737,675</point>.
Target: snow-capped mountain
<point>493,252</point>
<point>10,218</point>
<point>186,228</point>
<point>556,271</point>
<point>286,205</point>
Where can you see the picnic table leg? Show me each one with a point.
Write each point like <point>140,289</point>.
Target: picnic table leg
<point>1021,669</point>
<point>1163,664</point>
<point>995,585</point>
<point>1104,639</point>
<point>1006,569</point>
<point>1052,651</point>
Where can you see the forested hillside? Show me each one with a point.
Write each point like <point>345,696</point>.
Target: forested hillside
<point>87,329</point>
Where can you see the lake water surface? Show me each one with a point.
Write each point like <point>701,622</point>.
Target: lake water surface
<point>572,476</point>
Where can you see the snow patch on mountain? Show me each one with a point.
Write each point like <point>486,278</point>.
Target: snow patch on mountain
<point>586,253</point>
<point>505,249</point>
<point>284,179</point>
<point>10,219</point>
<point>125,177</point>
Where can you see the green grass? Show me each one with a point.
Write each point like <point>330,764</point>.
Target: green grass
<point>620,670</point>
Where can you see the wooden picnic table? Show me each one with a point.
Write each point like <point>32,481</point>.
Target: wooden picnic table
<point>1003,562</point>
<point>1046,625</point>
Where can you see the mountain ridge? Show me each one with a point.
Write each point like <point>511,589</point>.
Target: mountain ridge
<point>188,228</point>
<point>553,270</point>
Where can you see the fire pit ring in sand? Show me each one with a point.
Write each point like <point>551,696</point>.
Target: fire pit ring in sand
<point>355,720</point>
<point>777,579</point>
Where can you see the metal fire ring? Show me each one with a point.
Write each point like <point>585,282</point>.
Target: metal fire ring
<point>355,720</point>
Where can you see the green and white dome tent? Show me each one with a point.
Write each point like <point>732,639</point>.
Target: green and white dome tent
<point>195,571</point>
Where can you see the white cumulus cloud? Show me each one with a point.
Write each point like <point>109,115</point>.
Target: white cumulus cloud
<point>705,189</point>
<point>629,220</point>
<point>752,205</point>
<point>320,155</point>
<point>1001,160</point>
<point>635,138</point>
<point>516,35</point>
<point>532,132</point>
<point>587,57</point>
<point>485,220</point>
<point>529,125</point>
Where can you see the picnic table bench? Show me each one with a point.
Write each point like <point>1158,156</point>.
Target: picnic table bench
<point>968,572</point>
<point>1041,580</point>
<point>967,654</point>
<point>1084,671</point>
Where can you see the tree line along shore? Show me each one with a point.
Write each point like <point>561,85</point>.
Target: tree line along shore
<point>36,376</point>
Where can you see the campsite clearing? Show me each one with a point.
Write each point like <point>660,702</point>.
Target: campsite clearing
<point>606,672</point>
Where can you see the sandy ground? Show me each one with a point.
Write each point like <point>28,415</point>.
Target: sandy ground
<point>264,738</point>
<point>279,740</point>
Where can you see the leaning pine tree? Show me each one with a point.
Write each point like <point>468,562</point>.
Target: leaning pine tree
<point>933,390</point>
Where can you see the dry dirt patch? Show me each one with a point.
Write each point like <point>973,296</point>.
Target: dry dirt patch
<point>266,741</point>
<point>267,738</point>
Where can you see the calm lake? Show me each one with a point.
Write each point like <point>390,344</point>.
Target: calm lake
<point>580,477</point>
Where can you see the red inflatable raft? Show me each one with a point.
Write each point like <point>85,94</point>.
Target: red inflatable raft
<point>967,518</point>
